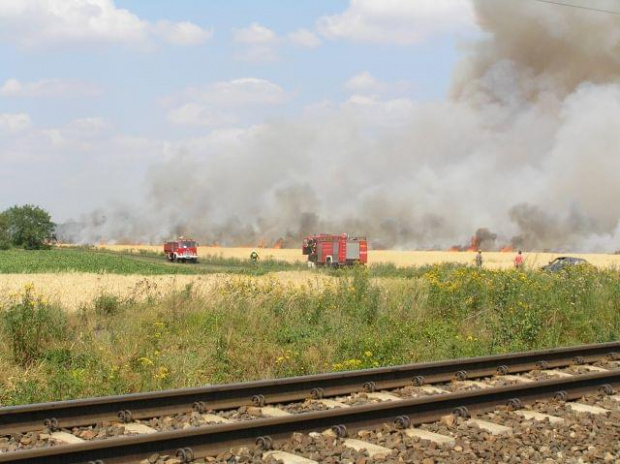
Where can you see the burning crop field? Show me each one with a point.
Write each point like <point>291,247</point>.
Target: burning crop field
<point>73,278</point>
<point>492,259</point>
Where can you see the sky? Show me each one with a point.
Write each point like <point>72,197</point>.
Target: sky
<point>93,92</point>
<point>418,123</point>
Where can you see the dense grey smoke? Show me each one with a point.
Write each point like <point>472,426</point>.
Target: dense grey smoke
<point>526,146</point>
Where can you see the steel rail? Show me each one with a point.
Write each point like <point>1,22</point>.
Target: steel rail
<point>66,414</point>
<point>208,441</point>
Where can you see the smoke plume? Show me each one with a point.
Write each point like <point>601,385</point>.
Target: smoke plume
<point>526,146</point>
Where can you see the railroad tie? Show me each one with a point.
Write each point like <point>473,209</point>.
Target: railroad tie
<point>555,373</point>
<point>372,449</point>
<point>270,411</point>
<point>430,436</point>
<point>333,404</point>
<point>66,438</point>
<point>431,390</point>
<point>141,429</point>
<point>538,416</point>
<point>579,407</point>
<point>594,368</point>
<point>472,383</point>
<point>381,396</point>
<point>491,427</point>
<point>288,458</point>
<point>215,419</point>
<point>516,378</point>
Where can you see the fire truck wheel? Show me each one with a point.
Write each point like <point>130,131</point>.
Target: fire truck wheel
<point>173,258</point>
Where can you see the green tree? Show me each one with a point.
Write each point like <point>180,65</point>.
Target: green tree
<point>5,236</point>
<point>29,226</point>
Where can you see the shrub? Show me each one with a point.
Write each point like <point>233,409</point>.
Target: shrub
<point>30,325</point>
<point>107,305</point>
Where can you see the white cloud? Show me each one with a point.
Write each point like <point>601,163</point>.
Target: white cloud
<point>254,34</point>
<point>397,21</point>
<point>304,38</point>
<point>366,84</point>
<point>244,92</point>
<point>14,122</point>
<point>49,88</point>
<point>30,23</point>
<point>259,44</point>
<point>77,134</point>
<point>224,103</point>
<point>393,112</point>
<point>182,33</point>
<point>87,128</point>
<point>197,115</point>
<point>258,54</point>
<point>363,81</point>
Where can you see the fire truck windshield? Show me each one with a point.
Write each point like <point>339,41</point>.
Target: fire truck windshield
<point>187,244</point>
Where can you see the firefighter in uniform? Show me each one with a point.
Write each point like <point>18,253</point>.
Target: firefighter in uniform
<point>312,258</point>
<point>254,256</point>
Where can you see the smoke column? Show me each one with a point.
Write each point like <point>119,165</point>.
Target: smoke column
<point>526,146</point>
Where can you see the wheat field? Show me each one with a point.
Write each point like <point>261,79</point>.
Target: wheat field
<point>75,290</point>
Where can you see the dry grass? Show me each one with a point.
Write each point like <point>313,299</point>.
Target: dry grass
<point>493,260</point>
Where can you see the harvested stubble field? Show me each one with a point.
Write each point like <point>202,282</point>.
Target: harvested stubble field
<point>71,333</point>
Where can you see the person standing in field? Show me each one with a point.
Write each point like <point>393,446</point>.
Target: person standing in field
<point>519,260</point>
<point>479,259</point>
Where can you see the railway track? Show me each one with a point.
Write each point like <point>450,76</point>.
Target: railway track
<point>219,438</point>
<point>66,414</point>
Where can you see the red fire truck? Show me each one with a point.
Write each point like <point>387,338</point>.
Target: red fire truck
<point>183,250</point>
<point>335,250</point>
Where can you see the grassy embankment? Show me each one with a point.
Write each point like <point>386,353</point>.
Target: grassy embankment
<point>248,328</point>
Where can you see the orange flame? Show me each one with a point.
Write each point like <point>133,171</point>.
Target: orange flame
<point>474,244</point>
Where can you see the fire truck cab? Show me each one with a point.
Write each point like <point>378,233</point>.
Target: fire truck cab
<point>335,250</point>
<point>183,250</point>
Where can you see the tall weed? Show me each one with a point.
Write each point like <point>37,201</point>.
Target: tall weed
<point>31,324</point>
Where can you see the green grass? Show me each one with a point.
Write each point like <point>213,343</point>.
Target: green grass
<point>93,261</point>
<point>248,329</point>
<point>77,260</point>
